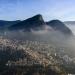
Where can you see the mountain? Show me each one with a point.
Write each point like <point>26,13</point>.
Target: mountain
<point>34,22</point>
<point>5,24</point>
<point>8,23</point>
<point>59,26</point>
<point>37,23</point>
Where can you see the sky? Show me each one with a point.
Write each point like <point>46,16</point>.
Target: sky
<point>50,9</point>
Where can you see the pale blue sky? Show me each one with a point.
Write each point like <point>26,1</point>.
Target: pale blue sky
<point>50,9</point>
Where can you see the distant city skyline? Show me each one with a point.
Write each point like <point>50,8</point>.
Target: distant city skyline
<point>50,9</point>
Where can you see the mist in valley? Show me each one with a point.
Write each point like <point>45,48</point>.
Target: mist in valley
<point>72,27</point>
<point>48,35</point>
